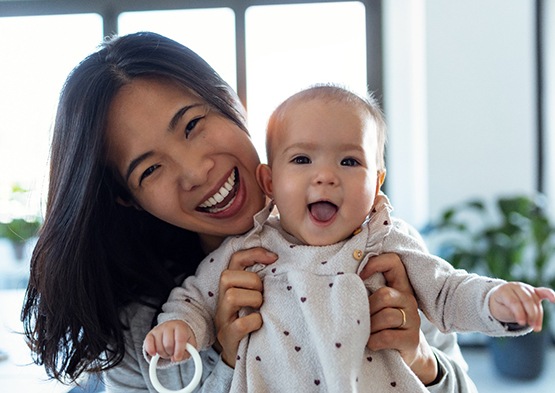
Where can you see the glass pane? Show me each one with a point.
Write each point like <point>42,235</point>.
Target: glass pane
<point>290,47</point>
<point>209,32</point>
<point>38,53</point>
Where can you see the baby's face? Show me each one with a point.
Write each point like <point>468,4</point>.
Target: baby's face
<point>324,170</point>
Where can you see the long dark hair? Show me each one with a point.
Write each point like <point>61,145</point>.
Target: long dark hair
<point>94,256</point>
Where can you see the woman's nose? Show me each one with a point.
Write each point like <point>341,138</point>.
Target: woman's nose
<point>193,171</point>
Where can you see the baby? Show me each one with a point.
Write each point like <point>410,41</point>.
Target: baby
<point>325,149</point>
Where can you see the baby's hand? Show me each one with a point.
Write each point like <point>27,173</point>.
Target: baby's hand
<point>521,303</point>
<point>169,340</point>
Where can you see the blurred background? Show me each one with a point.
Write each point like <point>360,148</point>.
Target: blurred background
<point>468,90</point>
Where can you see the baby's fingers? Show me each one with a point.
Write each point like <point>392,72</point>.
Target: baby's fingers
<point>533,305</point>
<point>150,344</point>
<point>528,311</point>
<point>517,302</point>
<point>159,342</point>
<point>165,345</point>
<point>545,294</point>
<point>180,340</point>
<point>534,315</point>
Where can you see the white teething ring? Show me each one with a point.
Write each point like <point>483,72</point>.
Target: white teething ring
<point>187,389</point>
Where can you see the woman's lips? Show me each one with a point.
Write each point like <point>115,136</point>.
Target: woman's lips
<point>224,197</point>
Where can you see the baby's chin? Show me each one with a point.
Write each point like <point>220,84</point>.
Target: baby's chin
<point>318,238</point>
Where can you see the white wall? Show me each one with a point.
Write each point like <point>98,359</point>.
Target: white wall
<point>477,136</point>
<point>405,104</point>
<point>549,97</point>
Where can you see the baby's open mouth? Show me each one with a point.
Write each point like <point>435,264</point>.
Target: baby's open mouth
<point>225,196</point>
<point>322,211</point>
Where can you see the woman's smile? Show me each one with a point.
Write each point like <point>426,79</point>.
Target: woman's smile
<point>224,197</point>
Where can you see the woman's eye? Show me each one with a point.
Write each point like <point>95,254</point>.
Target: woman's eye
<point>149,171</point>
<point>301,160</point>
<point>191,126</point>
<point>349,162</point>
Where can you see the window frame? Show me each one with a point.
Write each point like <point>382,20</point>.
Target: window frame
<point>110,10</point>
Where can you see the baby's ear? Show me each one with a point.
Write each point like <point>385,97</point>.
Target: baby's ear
<point>380,180</point>
<point>264,178</point>
<point>381,177</point>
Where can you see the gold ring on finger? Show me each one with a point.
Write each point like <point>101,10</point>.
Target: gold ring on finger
<point>404,318</point>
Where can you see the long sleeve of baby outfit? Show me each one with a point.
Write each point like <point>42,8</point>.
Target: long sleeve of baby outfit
<point>452,299</point>
<point>195,301</point>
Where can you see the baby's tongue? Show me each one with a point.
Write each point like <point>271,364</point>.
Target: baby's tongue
<point>323,211</point>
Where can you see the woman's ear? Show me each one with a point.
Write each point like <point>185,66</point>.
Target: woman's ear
<point>127,203</point>
<point>123,202</point>
<point>264,178</point>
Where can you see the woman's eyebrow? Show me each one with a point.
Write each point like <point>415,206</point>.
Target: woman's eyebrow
<point>178,115</point>
<point>171,128</point>
<point>135,162</point>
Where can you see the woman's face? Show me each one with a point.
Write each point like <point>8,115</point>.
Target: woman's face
<point>183,162</point>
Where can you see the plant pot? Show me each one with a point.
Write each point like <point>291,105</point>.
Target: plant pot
<point>521,357</point>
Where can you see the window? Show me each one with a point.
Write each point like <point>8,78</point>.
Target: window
<point>265,52</point>
<point>38,52</point>
<point>279,61</point>
<point>209,32</point>
<point>283,56</point>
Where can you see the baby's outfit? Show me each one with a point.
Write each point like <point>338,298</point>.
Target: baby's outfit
<point>316,317</point>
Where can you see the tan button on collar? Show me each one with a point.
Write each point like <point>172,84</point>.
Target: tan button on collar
<point>358,254</point>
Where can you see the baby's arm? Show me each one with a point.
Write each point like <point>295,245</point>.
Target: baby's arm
<point>169,340</point>
<point>519,302</point>
<point>196,300</point>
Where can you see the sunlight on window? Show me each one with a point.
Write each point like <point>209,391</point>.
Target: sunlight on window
<point>283,56</point>
<point>37,55</point>
<point>209,32</point>
<point>290,47</point>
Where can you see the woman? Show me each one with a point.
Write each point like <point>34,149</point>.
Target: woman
<point>151,168</point>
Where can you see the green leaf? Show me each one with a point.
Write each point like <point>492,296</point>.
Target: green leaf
<point>19,230</point>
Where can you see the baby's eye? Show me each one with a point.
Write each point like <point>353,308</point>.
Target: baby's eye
<point>191,126</point>
<point>349,162</point>
<point>149,171</point>
<point>301,160</point>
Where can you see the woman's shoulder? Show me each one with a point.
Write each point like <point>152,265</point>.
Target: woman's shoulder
<point>141,310</point>
<point>138,318</point>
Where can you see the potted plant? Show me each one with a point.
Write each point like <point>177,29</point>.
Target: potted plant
<point>18,231</point>
<point>513,239</point>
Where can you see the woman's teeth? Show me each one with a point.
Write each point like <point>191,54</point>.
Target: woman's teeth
<point>222,193</point>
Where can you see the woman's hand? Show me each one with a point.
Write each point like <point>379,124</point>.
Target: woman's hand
<point>238,289</point>
<point>394,318</point>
